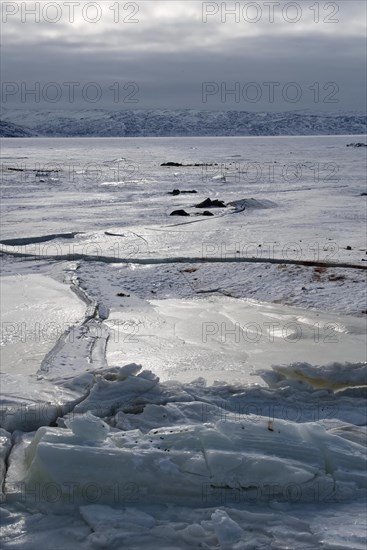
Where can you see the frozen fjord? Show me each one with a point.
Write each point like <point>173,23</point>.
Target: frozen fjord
<point>229,491</point>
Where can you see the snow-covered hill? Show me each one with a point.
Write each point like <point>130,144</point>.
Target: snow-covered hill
<point>100,123</point>
<point>7,129</point>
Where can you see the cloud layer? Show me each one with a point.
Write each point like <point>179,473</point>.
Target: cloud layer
<point>255,56</point>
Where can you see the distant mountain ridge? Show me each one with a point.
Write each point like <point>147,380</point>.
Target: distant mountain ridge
<point>147,123</point>
<point>7,129</point>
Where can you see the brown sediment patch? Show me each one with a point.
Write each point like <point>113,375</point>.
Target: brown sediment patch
<point>320,383</point>
<point>333,277</point>
<point>318,273</point>
<point>189,270</point>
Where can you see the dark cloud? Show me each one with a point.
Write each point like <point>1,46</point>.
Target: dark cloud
<point>316,68</point>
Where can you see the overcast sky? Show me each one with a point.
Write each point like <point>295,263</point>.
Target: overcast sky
<point>172,54</point>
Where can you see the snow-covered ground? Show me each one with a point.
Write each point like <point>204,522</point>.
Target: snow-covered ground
<point>183,383</point>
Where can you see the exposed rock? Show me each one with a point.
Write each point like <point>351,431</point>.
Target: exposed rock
<point>179,213</point>
<point>359,144</point>
<point>209,203</point>
<point>207,213</point>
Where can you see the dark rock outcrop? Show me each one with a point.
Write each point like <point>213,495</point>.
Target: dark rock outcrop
<point>209,203</point>
<point>179,213</point>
